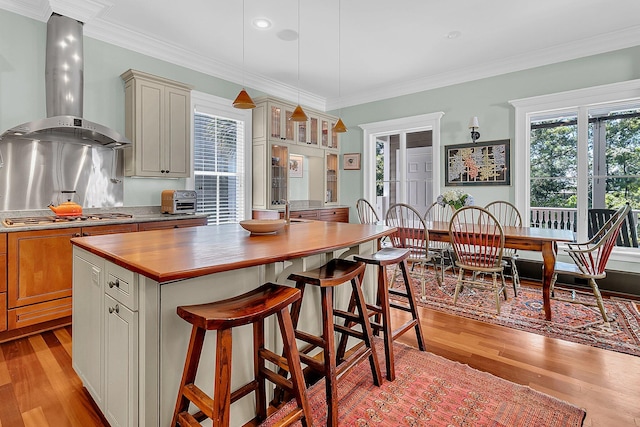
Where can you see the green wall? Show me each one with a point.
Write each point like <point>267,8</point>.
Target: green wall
<point>489,100</point>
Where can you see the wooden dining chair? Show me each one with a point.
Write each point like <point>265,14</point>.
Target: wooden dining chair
<point>366,213</point>
<point>412,234</point>
<point>628,235</point>
<point>508,216</point>
<point>478,242</point>
<point>590,259</point>
<point>443,250</point>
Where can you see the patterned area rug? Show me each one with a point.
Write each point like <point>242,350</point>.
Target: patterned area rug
<point>431,390</point>
<point>571,322</point>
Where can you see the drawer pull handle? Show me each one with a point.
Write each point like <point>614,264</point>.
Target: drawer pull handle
<point>116,309</point>
<point>116,283</point>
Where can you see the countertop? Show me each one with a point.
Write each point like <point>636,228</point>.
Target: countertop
<point>140,214</point>
<point>183,253</point>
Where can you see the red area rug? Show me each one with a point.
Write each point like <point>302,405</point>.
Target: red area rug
<point>571,322</point>
<point>432,391</point>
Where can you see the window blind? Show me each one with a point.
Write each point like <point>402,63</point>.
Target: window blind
<point>218,161</point>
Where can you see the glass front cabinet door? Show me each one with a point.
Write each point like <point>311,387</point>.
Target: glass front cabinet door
<point>331,178</point>
<point>279,174</point>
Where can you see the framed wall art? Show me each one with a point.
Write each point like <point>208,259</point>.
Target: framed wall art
<point>351,161</point>
<point>296,163</point>
<point>482,163</point>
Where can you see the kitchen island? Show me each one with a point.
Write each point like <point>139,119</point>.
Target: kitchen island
<point>128,343</point>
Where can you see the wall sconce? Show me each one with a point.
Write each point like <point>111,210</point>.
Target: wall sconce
<point>473,125</point>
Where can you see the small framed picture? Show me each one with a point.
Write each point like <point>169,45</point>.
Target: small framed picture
<point>295,166</point>
<point>351,161</point>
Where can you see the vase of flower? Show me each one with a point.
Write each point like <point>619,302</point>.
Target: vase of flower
<point>455,199</point>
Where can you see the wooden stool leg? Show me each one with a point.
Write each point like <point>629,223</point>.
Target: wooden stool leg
<point>412,304</point>
<point>295,368</point>
<point>331,382</point>
<point>258,368</point>
<point>189,373</point>
<point>366,329</point>
<point>279,393</point>
<point>222,389</point>
<point>383,303</point>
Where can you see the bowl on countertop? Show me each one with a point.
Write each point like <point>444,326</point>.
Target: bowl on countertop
<point>263,226</point>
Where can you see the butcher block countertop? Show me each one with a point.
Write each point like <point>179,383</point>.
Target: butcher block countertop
<point>184,253</point>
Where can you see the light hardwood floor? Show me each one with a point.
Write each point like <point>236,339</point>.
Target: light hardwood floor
<point>39,388</point>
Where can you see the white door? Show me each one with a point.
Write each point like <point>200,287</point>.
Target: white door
<point>419,172</point>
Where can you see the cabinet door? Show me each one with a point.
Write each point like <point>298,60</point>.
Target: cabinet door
<point>3,282</point>
<point>39,266</point>
<point>121,364</point>
<point>177,143</point>
<point>88,343</point>
<point>149,134</point>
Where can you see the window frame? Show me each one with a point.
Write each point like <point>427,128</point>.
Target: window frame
<point>577,102</point>
<point>401,126</point>
<point>222,107</point>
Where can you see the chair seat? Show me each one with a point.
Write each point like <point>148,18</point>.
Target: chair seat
<point>385,256</point>
<point>333,273</point>
<point>240,310</point>
<point>572,269</point>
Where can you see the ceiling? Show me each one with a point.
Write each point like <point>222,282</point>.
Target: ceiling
<point>350,52</point>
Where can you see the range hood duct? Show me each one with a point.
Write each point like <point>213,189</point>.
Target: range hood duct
<point>64,82</point>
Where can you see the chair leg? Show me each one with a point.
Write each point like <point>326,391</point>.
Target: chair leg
<point>496,290</point>
<point>458,285</point>
<point>515,276</point>
<point>596,292</point>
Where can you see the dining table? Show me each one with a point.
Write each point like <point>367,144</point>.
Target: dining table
<point>543,240</point>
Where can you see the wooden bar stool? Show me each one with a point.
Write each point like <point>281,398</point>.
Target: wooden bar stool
<point>334,273</point>
<point>383,258</point>
<point>250,308</point>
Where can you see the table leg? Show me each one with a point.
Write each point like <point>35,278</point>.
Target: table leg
<point>549,250</point>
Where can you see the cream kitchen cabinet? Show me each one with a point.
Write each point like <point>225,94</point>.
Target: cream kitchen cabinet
<point>105,349</point>
<point>278,142</point>
<point>3,282</point>
<point>158,122</point>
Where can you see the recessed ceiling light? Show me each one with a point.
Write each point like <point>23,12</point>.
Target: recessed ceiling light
<point>453,34</point>
<point>261,23</point>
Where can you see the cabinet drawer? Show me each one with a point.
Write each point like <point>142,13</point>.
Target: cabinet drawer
<point>336,215</point>
<point>38,313</point>
<point>122,285</point>
<point>304,214</point>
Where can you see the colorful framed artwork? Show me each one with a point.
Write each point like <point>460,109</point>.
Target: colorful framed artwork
<point>482,163</point>
<point>351,161</point>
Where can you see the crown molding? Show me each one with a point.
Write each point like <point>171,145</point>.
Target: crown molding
<point>90,12</point>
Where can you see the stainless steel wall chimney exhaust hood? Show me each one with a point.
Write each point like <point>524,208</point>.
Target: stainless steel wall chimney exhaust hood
<point>64,81</point>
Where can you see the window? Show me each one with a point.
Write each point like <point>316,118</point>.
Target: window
<point>577,151</point>
<point>220,168</point>
<point>398,161</point>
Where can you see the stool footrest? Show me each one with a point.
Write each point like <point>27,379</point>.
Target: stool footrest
<point>193,393</point>
<point>402,307</point>
<point>278,380</point>
<point>404,328</point>
<point>186,420</point>
<point>276,359</point>
<point>312,362</point>
<point>398,293</point>
<point>244,390</point>
<point>348,331</point>
<point>354,358</point>
<point>346,315</point>
<point>311,339</point>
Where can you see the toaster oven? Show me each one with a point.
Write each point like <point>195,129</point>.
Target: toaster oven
<point>178,202</point>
